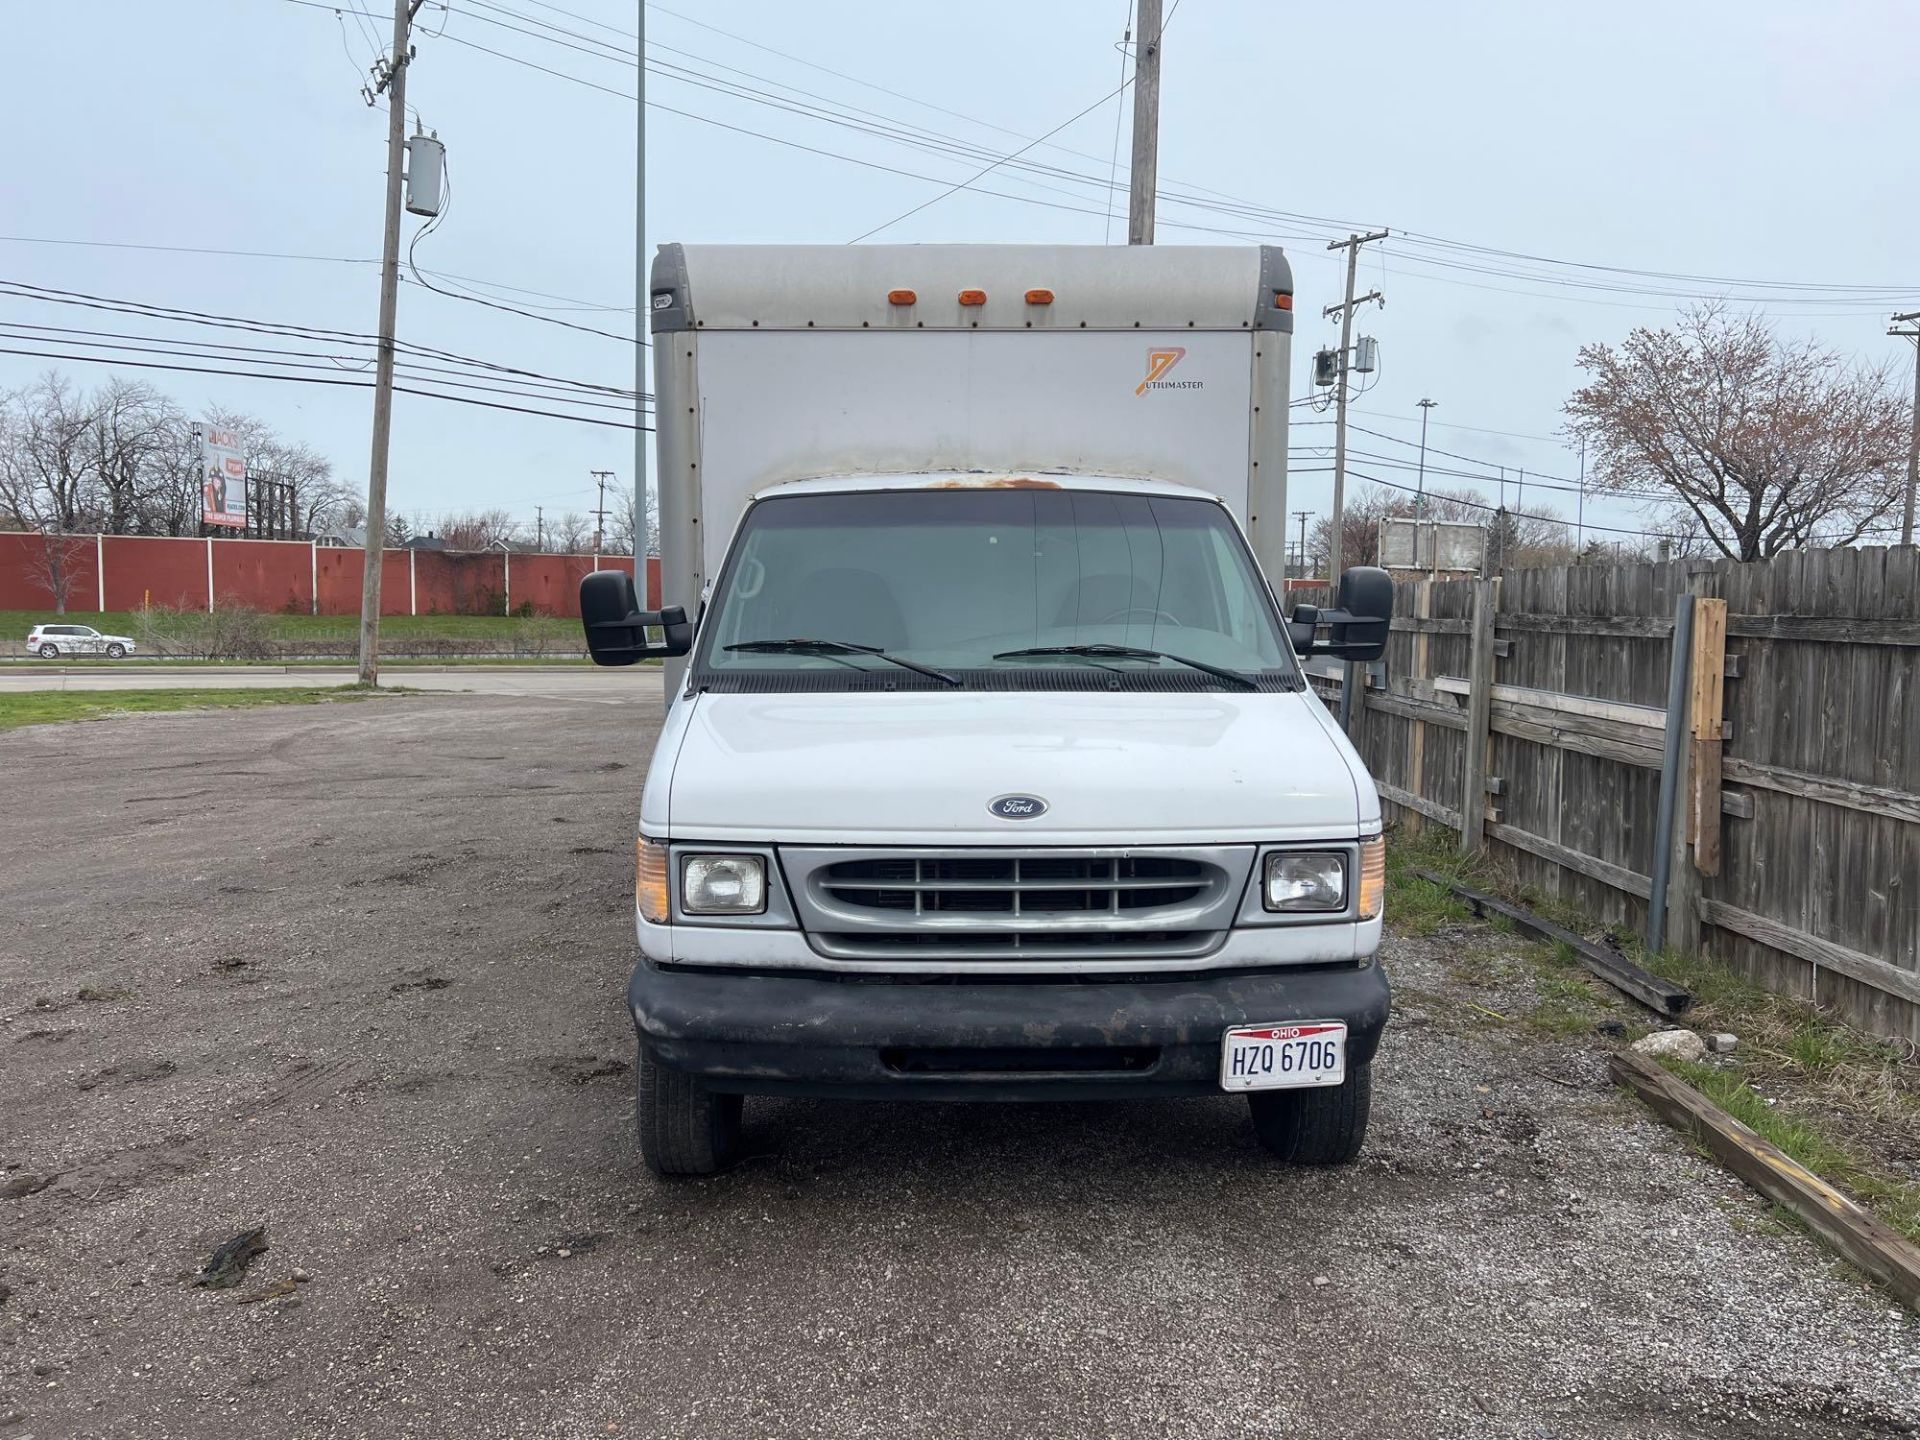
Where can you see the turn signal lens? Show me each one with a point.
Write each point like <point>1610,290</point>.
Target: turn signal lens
<point>901,297</point>
<point>1373,876</point>
<point>1039,297</point>
<point>973,297</point>
<point>650,881</point>
<point>1282,300</point>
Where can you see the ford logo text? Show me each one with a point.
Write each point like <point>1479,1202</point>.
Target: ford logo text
<point>1018,807</point>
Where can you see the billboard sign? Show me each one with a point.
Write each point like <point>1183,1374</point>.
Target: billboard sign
<point>223,479</point>
<point>1433,545</point>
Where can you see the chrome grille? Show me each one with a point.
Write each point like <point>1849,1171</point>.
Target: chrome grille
<point>1017,910</point>
<point>1015,885</point>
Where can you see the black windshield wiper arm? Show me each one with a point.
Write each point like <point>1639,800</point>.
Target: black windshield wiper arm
<point>839,647</point>
<point>1128,652</point>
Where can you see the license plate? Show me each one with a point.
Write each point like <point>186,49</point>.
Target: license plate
<point>1283,1057</point>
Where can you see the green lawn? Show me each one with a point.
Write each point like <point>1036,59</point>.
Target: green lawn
<point>45,707</point>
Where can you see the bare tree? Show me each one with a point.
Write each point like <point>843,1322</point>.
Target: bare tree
<point>132,441</point>
<point>633,531</point>
<point>478,529</point>
<point>1767,444</point>
<point>47,481</point>
<point>571,534</point>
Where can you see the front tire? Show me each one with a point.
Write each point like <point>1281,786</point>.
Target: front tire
<point>49,652</point>
<point>116,652</point>
<point>685,1128</point>
<point>1325,1125</point>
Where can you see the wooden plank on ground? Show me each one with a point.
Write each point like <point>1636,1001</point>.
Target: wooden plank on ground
<point>1859,1235</point>
<point>1867,969</point>
<point>1643,985</point>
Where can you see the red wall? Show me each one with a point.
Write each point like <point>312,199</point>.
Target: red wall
<point>274,575</point>
<point>20,590</point>
<point>147,571</point>
<point>290,575</point>
<point>552,582</point>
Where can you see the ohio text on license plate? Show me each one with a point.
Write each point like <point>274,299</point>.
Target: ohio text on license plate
<point>1279,1057</point>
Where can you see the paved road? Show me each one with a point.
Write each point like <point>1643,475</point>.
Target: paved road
<point>355,974</point>
<point>569,683</point>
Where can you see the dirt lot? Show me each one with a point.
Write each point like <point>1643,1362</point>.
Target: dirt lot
<point>355,974</point>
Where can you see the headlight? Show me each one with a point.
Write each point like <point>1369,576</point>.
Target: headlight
<point>1306,881</point>
<point>723,885</point>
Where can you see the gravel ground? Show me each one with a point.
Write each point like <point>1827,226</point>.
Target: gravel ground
<point>356,976</point>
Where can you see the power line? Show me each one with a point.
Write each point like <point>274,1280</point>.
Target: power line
<point>284,359</point>
<point>214,320</point>
<point>964,184</point>
<point>1434,253</point>
<point>317,380</point>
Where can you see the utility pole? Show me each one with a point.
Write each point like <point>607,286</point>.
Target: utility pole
<point>600,511</point>
<point>1345,311</point>
<point>540,528</point>
<point>1913,440</point>
<point>1145,175</point>
<point>1420,491</point>
<point>394,84</point>
<point>1301,516</point>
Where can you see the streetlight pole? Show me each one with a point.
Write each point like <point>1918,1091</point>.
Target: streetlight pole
<point>1420,492</point>
<point>1913,440</point>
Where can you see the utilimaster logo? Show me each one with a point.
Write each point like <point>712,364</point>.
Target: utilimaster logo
<point>1159,364</point>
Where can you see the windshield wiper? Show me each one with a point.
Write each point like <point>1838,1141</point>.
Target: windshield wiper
<point>839,647</point>
<point>1128,652</point>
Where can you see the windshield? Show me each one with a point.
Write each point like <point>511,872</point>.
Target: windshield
<point>959,579</point>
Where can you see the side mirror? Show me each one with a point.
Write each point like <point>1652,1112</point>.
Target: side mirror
<point>1366,597</point>
<point>1302,626</point>
<point>617,627</point>
<point>1358,624</point>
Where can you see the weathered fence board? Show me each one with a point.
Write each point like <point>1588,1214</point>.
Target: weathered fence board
<point>1817,889</point>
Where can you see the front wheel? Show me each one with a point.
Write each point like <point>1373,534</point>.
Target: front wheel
<point>685,1129</point>
<point>49,652</point>
<point>116,652</point>
<point>1324,1125</point>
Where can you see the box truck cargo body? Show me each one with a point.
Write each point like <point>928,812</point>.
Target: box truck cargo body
<point>989,770</point>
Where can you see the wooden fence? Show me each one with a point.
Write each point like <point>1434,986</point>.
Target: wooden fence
<point>1529,715</point>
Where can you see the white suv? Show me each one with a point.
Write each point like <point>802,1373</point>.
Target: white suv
<point>50,642</point>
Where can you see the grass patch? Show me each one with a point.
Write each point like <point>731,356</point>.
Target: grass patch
<point>1417,906</point>
<point>48,707</point>
<point>1895,1201</point>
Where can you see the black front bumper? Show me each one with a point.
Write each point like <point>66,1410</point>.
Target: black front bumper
<point>781,1034</point>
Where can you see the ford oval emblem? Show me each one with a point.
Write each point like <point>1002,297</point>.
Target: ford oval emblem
<point>1018,807</point>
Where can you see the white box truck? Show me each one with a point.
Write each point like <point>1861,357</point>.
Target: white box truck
<point>990,771</point>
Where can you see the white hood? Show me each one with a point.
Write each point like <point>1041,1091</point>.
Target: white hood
<point>917,767</point>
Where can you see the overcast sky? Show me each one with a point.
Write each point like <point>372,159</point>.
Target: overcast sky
<point>1766,140</point>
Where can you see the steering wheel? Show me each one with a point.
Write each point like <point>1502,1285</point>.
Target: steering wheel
<point>1173,620</point>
